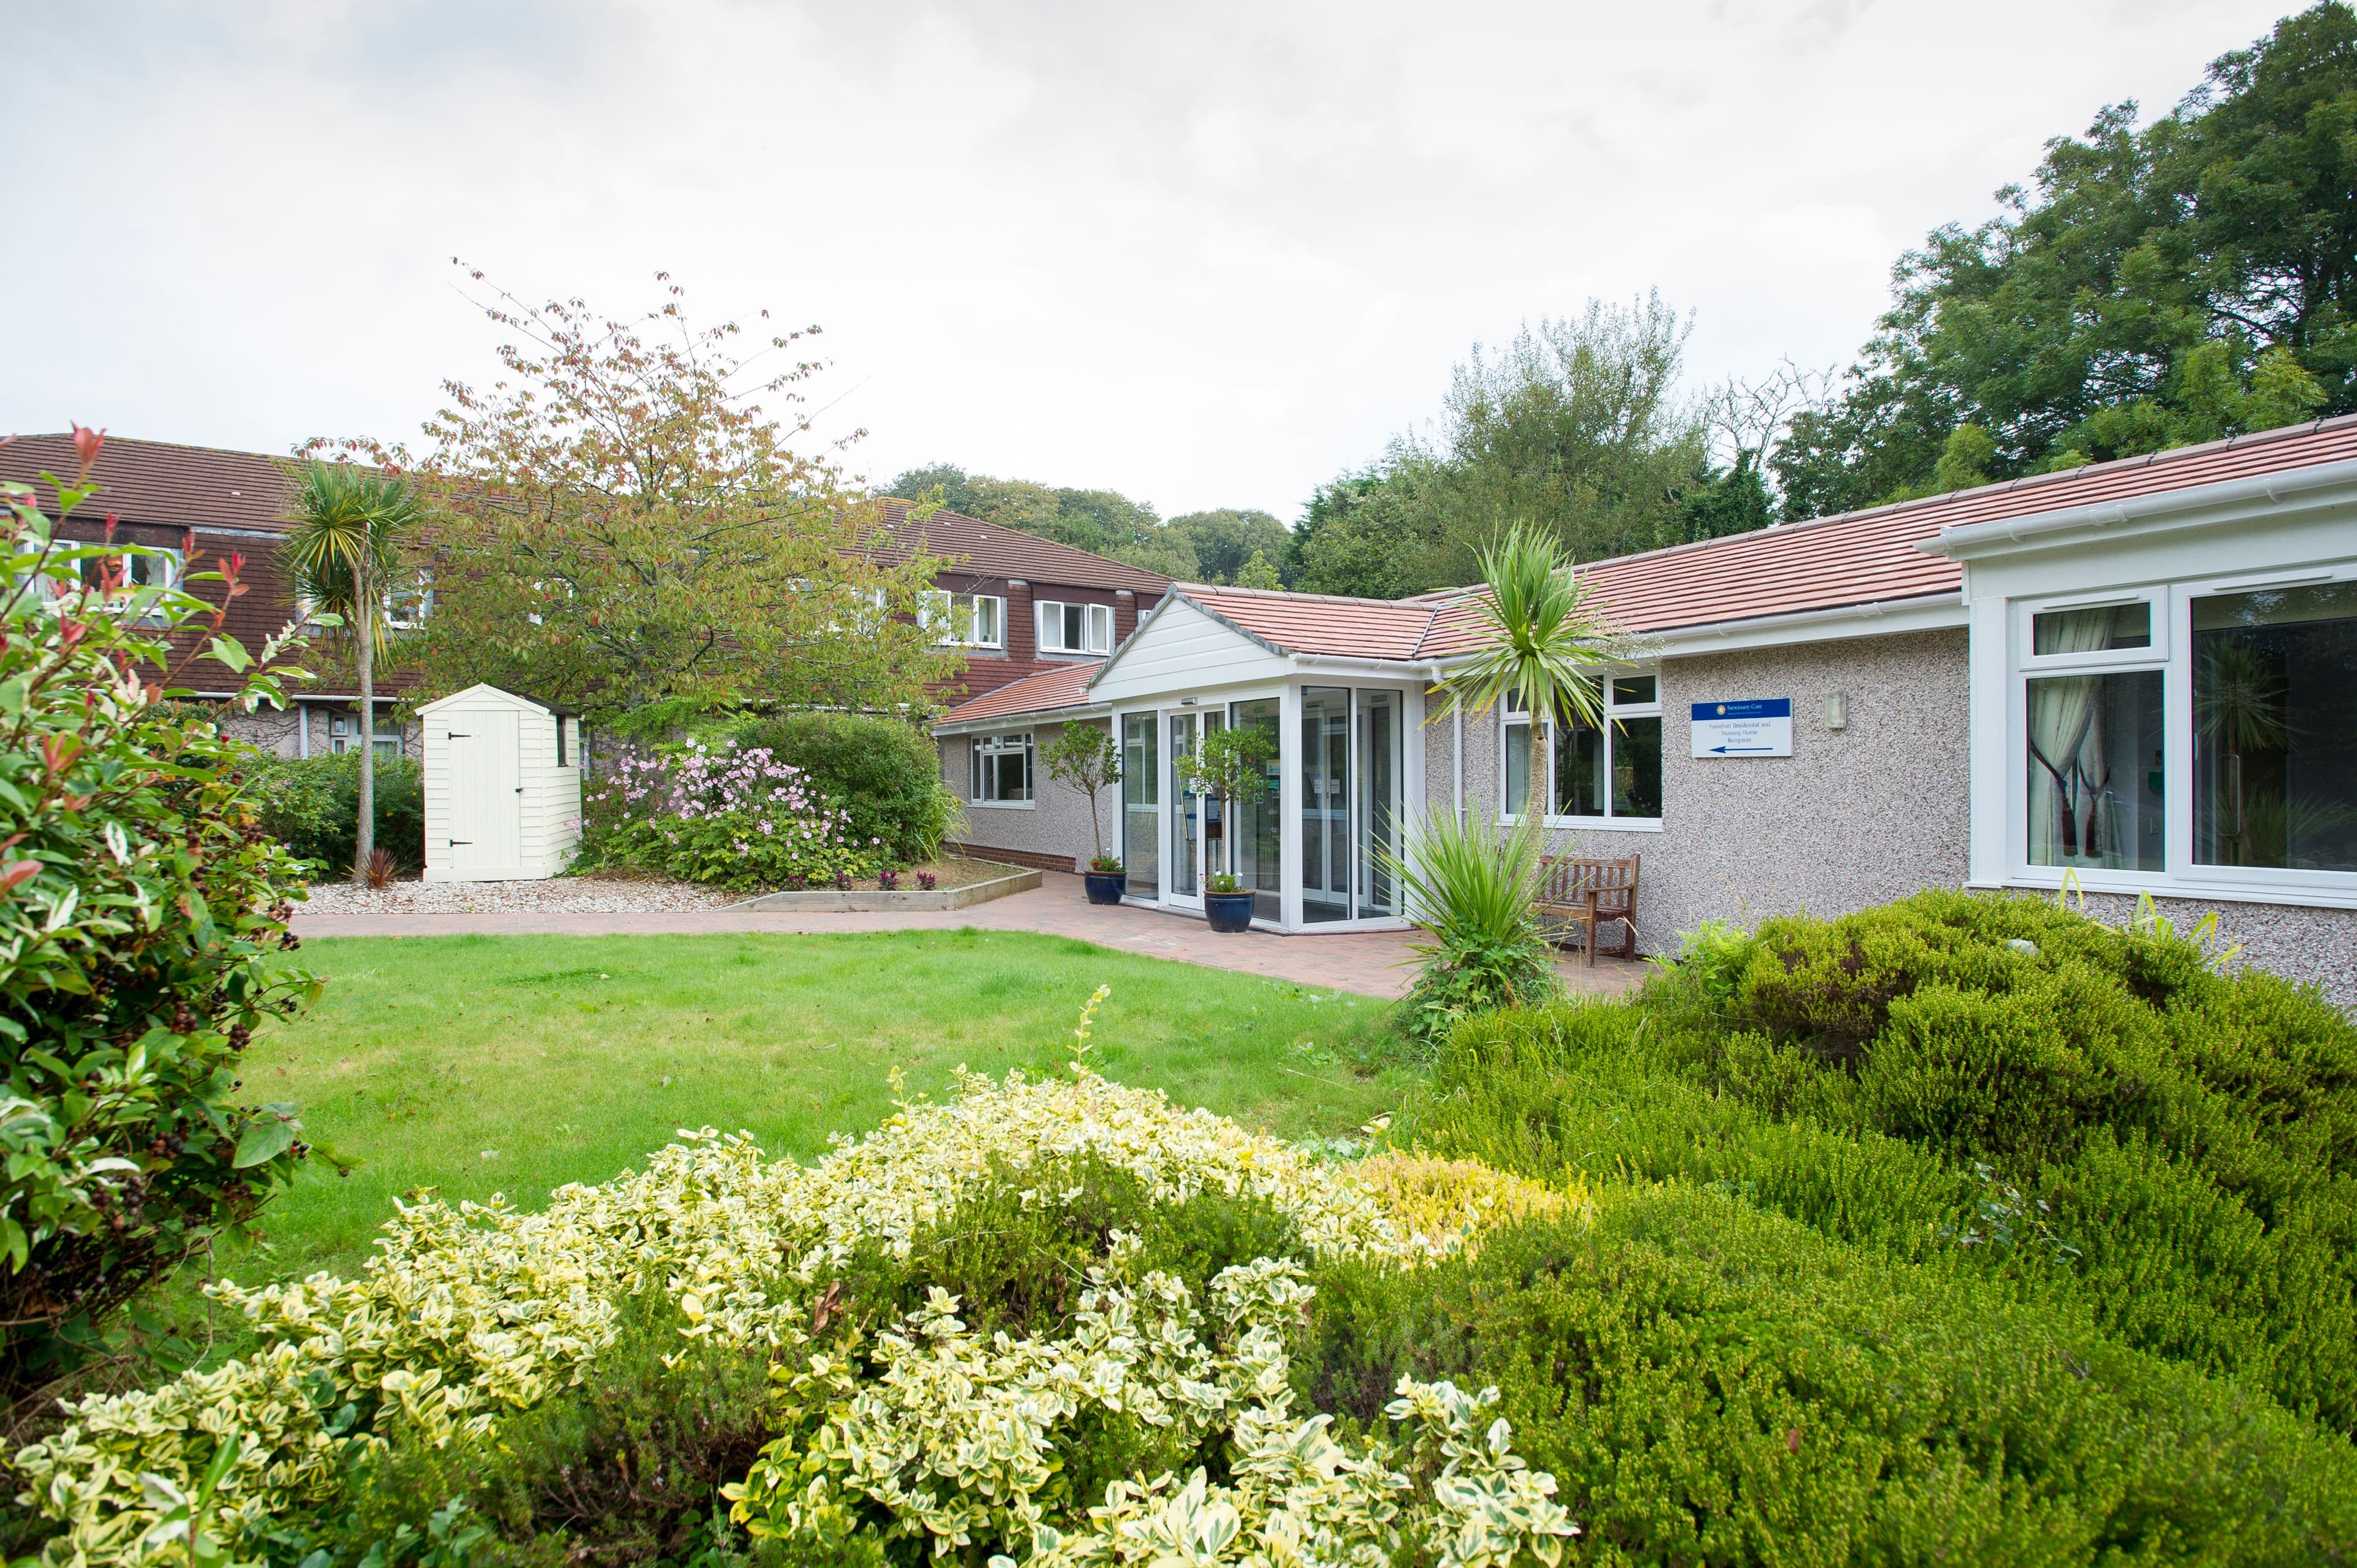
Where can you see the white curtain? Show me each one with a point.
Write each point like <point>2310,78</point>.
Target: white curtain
<point>2061,730</point>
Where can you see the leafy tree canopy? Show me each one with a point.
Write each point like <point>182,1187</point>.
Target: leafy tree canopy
<point>2159,285</point>
<point>620,527</point>
<point>1576,427</point>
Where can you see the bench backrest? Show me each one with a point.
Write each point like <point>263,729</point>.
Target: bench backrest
<point>1562,878</point>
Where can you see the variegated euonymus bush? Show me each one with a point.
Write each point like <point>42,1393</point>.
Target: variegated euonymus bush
<point>955,1440</point>
<point>473,1313</point>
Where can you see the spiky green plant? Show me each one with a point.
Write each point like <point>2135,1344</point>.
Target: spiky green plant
<point>1474,887</point>
<point>342,550</point>
<point>1545,645</point>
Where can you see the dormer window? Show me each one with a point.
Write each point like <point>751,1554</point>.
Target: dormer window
<point>1076,629</point>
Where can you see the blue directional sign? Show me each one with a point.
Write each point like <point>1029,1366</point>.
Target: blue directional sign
<point>1756,726</point>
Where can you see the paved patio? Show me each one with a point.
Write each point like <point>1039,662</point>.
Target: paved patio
<point>1368,964</point>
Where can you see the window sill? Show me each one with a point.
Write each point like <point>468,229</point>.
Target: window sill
<point>2126,884</point>
<point>1004,805</point>
<point>1594,824</point>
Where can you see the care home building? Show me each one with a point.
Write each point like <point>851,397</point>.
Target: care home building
<point>2134,677</point>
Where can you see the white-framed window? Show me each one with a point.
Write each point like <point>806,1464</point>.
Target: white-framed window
<point>964,621</point>
<point>407,606</point>
<point>1609,776</point>
<point>344,734</point>
<point>134,571</point>
<point>1074,627</point>
<point>2200,736</point>
<point>1001,769</point>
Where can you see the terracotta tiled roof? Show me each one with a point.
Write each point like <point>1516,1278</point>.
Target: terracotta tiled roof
<point>1065,686</point>
<point>156,481</point>
<point>990,550</point>
<point>1869,557</point>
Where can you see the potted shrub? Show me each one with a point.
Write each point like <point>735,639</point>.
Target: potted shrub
<point>1088,759</point>
<point>1232,766</point>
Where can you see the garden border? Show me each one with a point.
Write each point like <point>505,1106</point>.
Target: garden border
<point>1018,879</point>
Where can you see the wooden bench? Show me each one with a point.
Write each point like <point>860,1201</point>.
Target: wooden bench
<point>1586,892</point>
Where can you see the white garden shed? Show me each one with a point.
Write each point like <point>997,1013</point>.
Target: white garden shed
<point>502,787</point>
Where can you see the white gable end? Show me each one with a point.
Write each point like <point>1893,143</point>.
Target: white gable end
<point>1181,649</point>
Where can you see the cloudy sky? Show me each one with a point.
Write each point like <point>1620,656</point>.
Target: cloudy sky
<point>1207,254</point>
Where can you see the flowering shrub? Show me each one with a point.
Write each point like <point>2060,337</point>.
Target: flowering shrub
<point>475,1311</point>
<point>734,817</point>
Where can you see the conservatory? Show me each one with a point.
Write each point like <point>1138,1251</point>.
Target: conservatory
<point>1316,841</point>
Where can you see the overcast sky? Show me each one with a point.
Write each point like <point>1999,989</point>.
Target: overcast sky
<point>1207,254</point>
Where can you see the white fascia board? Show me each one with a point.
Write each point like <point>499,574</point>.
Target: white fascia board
<point>2282,495</point>
<point>1023,721</point>
<point>1415,671</point>
<point>1887,617</point>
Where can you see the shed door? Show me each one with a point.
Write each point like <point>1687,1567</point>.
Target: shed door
<point>486,795</point>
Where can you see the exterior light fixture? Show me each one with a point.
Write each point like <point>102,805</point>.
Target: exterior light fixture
<point>1837,710</point>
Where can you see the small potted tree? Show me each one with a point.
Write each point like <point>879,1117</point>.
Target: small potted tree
<point>1230,765</point>
<point>1088,759</point>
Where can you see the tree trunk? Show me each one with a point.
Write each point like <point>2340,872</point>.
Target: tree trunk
<point>364,839</point>
<point>1536,800</point>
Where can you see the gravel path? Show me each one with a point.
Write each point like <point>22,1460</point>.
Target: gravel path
<point>557,895</point>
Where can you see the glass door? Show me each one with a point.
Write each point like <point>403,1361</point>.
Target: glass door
<point>1186,880</point>
<point>1141,806</point>
<point>1199,843</point>
<point>1325,803</point>
<point>1378,786</point>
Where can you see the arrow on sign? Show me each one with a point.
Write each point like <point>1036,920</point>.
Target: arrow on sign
<point>1722,750</point>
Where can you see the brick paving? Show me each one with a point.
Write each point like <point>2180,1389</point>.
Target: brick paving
<point>1368,964</point>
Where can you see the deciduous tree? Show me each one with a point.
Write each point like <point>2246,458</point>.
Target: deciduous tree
<point>623,525</point>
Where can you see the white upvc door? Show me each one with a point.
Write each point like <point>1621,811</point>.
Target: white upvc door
<point>1183,883</point>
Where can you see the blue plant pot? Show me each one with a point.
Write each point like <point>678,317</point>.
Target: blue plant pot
<point>1106,886</point>
<point>1228,911</point>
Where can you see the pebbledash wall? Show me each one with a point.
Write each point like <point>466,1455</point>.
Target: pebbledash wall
<point>1052,832</point>
<point>1861,815</point>
<point>1876,811</point>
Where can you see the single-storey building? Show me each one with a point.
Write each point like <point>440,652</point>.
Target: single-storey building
<point>2134,677</point>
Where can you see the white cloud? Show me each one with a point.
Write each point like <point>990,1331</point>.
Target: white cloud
<point>1207,255</point>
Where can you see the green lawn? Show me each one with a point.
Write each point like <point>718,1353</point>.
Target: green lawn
<point>483,1064</point>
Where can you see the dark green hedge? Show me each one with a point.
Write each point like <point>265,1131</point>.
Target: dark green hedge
<point>312,805</point>
<point>2103,1122</point>
<point>1710,1383</point>
<point>886,773</point>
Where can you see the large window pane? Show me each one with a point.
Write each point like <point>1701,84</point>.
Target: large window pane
<point>1259,862</point>
<point>2094,773</point>
<point>1325,803</point>
<point>1379,783</point>
<point>1578,770</point>
<point>1637,767</point>
<point>1518,767</point>
<point>2275,728</point>
<point>1141,815</point>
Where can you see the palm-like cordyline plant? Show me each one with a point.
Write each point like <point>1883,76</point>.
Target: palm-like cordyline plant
<point>342,551</point>
<point>1545,646</point>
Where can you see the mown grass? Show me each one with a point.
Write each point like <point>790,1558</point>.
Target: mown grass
<point>477,1065</point>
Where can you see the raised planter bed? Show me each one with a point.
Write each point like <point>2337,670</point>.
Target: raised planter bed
<point>871,901</point>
